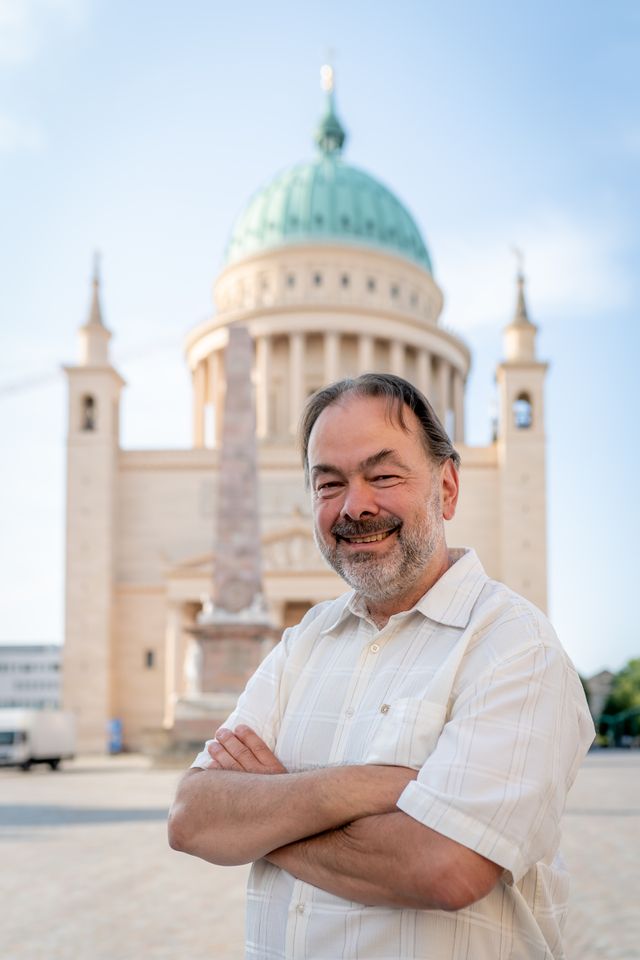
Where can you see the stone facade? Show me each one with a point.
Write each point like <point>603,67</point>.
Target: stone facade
<point>141,524</point>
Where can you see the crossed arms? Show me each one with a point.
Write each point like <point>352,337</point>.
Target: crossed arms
<point>337,828</point>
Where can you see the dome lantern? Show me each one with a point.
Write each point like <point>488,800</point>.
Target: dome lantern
<point>330,135</point>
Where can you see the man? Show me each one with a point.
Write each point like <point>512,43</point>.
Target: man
<point>398,765</point>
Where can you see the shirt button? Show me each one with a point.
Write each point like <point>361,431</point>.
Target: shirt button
<point>300,908</point>
<point>374,647</point>
<point>384,708</point>
<point>348,713</point>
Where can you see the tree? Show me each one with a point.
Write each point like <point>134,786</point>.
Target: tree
<point>624,704</point>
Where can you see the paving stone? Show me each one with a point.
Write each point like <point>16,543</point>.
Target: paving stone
<point>88,875</point>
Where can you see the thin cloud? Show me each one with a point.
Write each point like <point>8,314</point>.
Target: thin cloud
<point>26,24</point>
<point>572,267</point>
<point>16,136</point>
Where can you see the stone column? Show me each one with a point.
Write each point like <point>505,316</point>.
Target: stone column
<point>263,379</point>
<point>217,381</point>
<point>441,393</point>
<point>331,357</point>
<point>423,363</point>
<point>396,359</point>
<point>296,379</point>
<point>199,381</point>
<point>365,354</point>
<point>172,662</point>
<point>458,406</point>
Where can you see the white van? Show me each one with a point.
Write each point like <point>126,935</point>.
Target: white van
<point>36,736</point>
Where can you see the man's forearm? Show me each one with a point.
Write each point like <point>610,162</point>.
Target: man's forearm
<point>234,817</point>
<point>390,860</point>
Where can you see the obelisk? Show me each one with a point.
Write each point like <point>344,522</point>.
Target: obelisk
<point>237,582</point>
<point>233,632</point>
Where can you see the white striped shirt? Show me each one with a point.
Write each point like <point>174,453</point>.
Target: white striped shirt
<point>472,688</point>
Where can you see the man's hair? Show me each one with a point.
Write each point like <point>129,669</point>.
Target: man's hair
<point>398,393</point>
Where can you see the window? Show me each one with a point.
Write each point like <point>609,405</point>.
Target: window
<point>371,284</point>
<point>345,280</point>
<point>291,280</point>
<point>149,659</point>
<point>317,279</point>
<point>522,412</point>
<point>88,413</point>
<point>395,291</point>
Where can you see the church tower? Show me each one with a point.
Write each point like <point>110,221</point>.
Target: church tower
<point>521,457</point>
<point>92,453</point>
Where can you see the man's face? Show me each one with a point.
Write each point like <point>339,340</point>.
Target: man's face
<point>377,498</point>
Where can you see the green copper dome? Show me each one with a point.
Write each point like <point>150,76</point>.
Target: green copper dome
<point>323,201</point>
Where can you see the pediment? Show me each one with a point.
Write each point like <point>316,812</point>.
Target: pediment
<point>290,548</point>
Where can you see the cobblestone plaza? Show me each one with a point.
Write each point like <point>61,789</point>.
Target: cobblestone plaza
<point>87,873</point>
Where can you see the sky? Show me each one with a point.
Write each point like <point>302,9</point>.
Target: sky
<point>142,129</point>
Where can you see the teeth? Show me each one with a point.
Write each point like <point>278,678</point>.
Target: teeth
<point>372,539</point>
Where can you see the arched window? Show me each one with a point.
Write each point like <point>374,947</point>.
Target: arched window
<point>522,412</point>
<point>88,413</point>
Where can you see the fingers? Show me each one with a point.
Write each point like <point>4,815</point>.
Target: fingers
<point>242,749</point>
<point>229,753</point>
<point>265,757</point>
<point>252,741</point>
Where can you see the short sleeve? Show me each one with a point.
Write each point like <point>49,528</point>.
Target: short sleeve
<point>498,777</point>
<point>259,705</point>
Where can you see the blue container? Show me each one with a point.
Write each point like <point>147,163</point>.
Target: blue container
<point>114,729</point>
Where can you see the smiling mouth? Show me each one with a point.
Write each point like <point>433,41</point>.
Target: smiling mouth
<point>373,538</point>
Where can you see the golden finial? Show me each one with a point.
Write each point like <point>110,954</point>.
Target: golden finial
<point>326,77</point>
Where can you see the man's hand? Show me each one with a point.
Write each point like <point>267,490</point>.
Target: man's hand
<point>242,750</point>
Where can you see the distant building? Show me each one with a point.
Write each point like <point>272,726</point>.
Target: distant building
<point>30,675</point>
<point>329,272</point>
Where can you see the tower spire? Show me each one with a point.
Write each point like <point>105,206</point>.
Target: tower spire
<point>520,334</point>
<point>94,336</point>
<point>330,135</point>
<point>521,315</point>
<point>95,310</point>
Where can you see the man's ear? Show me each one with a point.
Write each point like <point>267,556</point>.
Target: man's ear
<point>449,489</point>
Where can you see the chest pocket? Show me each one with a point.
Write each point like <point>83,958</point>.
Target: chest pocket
<point>406,732</point>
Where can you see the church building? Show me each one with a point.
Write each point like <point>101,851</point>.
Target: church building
<point>330,275</point>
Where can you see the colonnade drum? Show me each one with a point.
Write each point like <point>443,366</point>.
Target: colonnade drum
<point>317,316</point>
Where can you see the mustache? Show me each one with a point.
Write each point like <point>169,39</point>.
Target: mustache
<point>365,528</point>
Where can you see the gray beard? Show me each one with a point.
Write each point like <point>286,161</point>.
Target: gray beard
<point>380,579</point>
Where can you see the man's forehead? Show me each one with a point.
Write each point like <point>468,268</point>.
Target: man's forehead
<point>364,422</point>
<point>362,409</point>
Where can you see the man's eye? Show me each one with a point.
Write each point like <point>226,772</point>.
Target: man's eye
<point>328,486</point>
<point>383,478</point>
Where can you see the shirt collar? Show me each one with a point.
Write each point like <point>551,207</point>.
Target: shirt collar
<point>449,601</point>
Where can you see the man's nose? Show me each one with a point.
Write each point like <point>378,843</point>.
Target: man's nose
<point>359,501</point>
